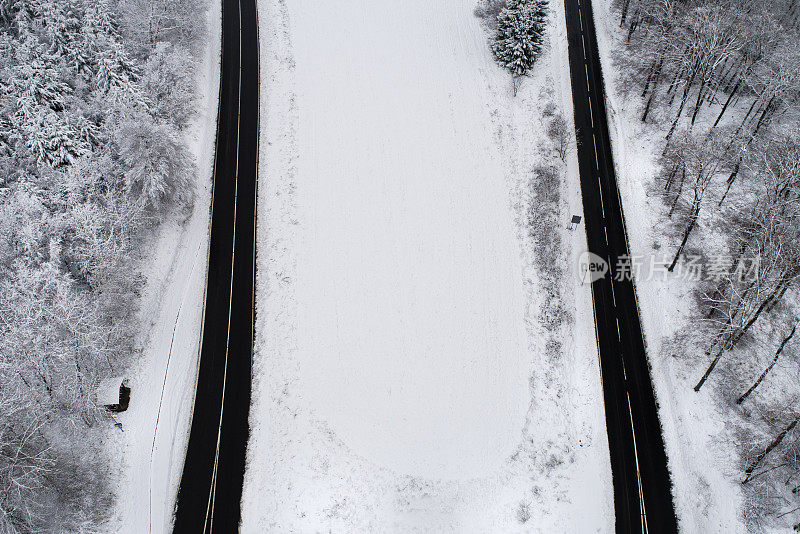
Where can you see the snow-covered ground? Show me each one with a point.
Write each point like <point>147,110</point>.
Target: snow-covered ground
<point>702,454</point>
<point>403,380</point>
<point>155,428</point>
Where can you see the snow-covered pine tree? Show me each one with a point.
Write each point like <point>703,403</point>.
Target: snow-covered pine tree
<point>56,142</point>
<point>519,37</point>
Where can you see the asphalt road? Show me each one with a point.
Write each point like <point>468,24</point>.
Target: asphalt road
<point>211,485</point>
<point>642,488</point>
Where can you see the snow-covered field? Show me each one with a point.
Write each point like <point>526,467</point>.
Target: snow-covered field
<point>702,454</point>
<point>402,377</point>
<point>155,427</point>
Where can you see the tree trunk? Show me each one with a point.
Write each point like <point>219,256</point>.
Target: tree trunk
<point>671,178</point>
<point>647,106</point>
<point>789,12</point>
<point>680,109</point>
<point>718,290</point>
<point>760,458</point>
<point>653,76</point>
<point>728,73</point>
<point>678,194</point>
<point>746,116</point>
<point>634,25</point>
<point>625,5</point>
<point>730,180</point>
<point>767,301</point>
<point>23,378</point>
<point>710,369</point>
<point>676,78</point>
<point>725,333</point>
<point>695,212</point>
<point>769,367</point>
<point>764,115</point>
<point>699,101</point>
<point>727,103</point>
<point>777,299</point>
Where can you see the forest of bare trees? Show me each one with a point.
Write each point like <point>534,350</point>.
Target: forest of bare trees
<point>94,95</point>
<point>721,82</point>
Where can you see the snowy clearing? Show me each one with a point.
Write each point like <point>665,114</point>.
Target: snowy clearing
<point>156,425</point>
<point>403,379</point>
<point>408,272</point>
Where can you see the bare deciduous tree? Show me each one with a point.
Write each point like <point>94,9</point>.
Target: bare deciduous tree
<point>699,163</point>
<point>769,367</point>
<point>560,134</point>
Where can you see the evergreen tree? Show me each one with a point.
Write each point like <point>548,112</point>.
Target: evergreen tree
<point>519,37</point>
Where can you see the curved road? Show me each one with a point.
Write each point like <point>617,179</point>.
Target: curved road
<point>211,484</point>
<point>642,488</point>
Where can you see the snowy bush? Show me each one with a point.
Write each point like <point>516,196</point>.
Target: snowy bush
<point>543,223</point>
<point>523,512</point>
<point>489,10</point>
<point>559,133</point>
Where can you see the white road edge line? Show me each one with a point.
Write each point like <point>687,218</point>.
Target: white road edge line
<point>638,474</point>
